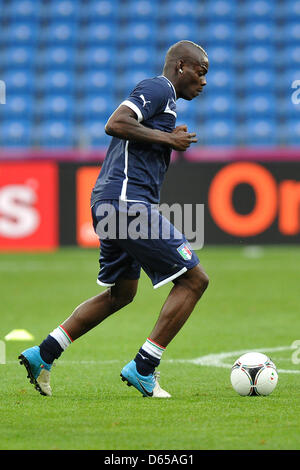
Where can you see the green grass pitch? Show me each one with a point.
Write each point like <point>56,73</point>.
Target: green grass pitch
<point>252,303</point>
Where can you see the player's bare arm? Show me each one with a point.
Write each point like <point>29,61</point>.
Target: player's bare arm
<point>123,124</point>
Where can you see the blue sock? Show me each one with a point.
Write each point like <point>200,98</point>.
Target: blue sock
<point>145,363</point>
<point>50,349</point>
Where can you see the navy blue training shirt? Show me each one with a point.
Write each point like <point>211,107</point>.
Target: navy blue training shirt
<point>134,171</point>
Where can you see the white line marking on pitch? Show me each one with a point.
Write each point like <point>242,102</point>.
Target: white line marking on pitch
<point>210,360</point>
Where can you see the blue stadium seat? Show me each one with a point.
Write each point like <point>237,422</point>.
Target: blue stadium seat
<point>216,32</point>
<point>176,30</point>
<point>55,107</point>
<point>260,79</point>
<point>258,56</point>
<point>258,32</point>
<point>16,133</point>
<point>95,81</point>
<point>289,10</point>
<point>64,10</point>
<point>182,10</point>
<point>138,32</point>
<point>18,34</point>
<point>217,106</point>
<point>21,10</point>
<point>258,106</point>
<point>220,132</point>
<point>95,107</point>
<point>52,57</point>
<point>186,110</point>
<point>56,81</point>
<point>54,134</point>
<point>220,80</point>
<point>59,33</point>
<point>256,10</point>
<point>289,104</point>
<point>142,10</point>
<point>18,106</point>
<point>92,133</point>
<point>220,10</point>
<point>98,34</point>
<point>95,58</point>
<point>99,10</point>
<point>221,55</point>
<point>128,80</point>
<point>260,132</point>
<point>292,132</point>
<point>136,57</point>
<point>17,57</point>
<point>21,81</point>
<point>289,33</point>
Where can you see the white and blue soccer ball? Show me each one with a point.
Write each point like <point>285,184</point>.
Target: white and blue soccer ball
<point>253,373</point>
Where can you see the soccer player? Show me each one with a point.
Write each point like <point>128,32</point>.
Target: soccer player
<point>143,135</point>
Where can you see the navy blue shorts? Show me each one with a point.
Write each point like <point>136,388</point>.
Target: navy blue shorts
<point>135,235</point>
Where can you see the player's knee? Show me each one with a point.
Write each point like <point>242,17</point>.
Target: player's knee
<point>196,280</point>
<point>120,301</point>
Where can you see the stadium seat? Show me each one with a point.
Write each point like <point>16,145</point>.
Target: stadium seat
<point>137,32</point>
<point>59,33</point>
<point>64,10</point>
<point>142,10</point>
<point>182,10</point>
<point>94,107</point>
<point>256,105</point>
<point>216,32</point>
<point>54,134</point>
<point>17,57</point>
<point>289,10</point>
<point>56,82</point>
<point>260,132</point>
<point>259,80</point>
<point>257,55</point>
<point>217,106</point>
<point>291,133</point>
<point>128,80</point>
<point>95,81</point>
<point>18,106</point>
<point>289,33</point>
<point>55,107</point>
<point>136,57</point>
<point>55,57</point>
<point>18,34</point>
<point>221,55</point>
<point>20,81</point>
<point>219,10</point>
<point>16,133</point>
<point>99,10</point>
<point>92,134</point>
<point>220,80</point>
<point>20,10</point>
<point>177,30</point>
<point>98,34</point>
<point>256,10</point>
<point>97,57</point>
<point>258,32</point>
<point>219,132</point>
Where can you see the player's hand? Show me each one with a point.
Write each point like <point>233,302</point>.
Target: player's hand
<point>181,139</point>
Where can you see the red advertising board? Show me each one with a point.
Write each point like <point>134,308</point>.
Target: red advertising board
<point>85,180</point>
<point>28,206</point>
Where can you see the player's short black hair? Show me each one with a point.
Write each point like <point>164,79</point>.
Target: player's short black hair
<point>178,50</point>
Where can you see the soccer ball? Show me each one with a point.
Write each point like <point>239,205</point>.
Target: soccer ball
<point>253,374</point>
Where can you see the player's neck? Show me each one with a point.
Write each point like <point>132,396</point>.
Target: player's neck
<point>172,79</point>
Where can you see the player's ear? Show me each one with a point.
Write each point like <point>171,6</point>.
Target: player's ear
<point>179,66</point>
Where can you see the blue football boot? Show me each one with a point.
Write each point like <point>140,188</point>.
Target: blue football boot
<point>38,370</point>
<point>146,384</point>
